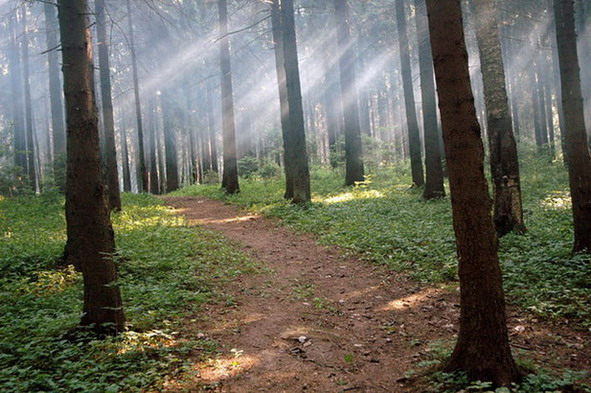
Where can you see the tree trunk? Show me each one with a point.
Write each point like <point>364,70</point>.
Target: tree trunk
<point>354,171</point>
<point>154,182</point>
<point>28,105</point>
<point>55,96</point>
<point>211,127</point>
<point>113,192</point>
<point>125,156</point>
<point>16,84</point>
<point>292,113</point>
<point>504,163</point>
<point>169,117</point>
<point>434,170</point>
<point>414,138</point>
<point>90,235</point>
<point>143,171</point>
<point>482,349</point>
<point>579,162</point>
<point>230,173</point>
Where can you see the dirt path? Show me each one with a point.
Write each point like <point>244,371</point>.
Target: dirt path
<point>318,322</point>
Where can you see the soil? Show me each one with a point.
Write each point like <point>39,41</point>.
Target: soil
<point>317,321</point>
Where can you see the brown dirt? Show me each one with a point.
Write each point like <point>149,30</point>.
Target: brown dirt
<point>316,321</point>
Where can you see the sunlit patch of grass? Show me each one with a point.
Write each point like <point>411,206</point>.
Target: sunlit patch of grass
<point>166,270</point>
<point>387,222</point>
<point>557,200</point>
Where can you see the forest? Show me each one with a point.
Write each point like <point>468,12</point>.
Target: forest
<point>295,196</point>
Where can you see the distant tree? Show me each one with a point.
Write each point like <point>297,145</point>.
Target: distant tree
<point>55,94</point>
<point>91,243</point>
<point>354,171</point>
<point>414,139</point>
<point>578,159</point>
<point>111,173</point>
<point>433,166</point>
<point>16,84</point>
<point>482,349</point>
<point>230,172</point>
<point>143,171</point>
<point>170,119</point>
<point>29,137</point>
<point>292,114</point>
<point>504,163</point>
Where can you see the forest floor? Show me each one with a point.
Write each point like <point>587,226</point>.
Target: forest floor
<point>315,320</point>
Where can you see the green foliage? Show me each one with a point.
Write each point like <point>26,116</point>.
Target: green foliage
<point>387,222</point>
<point>542,382</point>
<point>166,271</point>
<point>250,167</point>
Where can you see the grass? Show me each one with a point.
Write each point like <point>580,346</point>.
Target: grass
<point>386,222</point>
<point>167,271</point>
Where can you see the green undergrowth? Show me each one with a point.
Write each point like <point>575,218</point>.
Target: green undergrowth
<point>387,222</point>
<point>167,270</point>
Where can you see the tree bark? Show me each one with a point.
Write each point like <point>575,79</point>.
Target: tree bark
<point>414,138</point>
<point>55,96</point>
<point>292,113</point>
<point>579,161</point>
<point>112,176</point>
<point>143,171</point>
<point>434,169</point>
<point>354,171</point>
<point>482,349</point>
<point>169,122</point>
<point>91,242</point>
<point>16,84</point>
<point>504,162</point>
<point>31,174</point>
<point>230,171</point>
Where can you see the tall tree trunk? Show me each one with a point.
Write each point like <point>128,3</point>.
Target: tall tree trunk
<point>143,171</point>
<point>28,105</point>
<point>90,235</point>
<point>16,84</point>
<point>154,181</point>
<point>292,113</point>
<point>354,171</point>
<point>482,349</point>
<point>113,192</point>
<point>414,138</point>
<point>211,127</point>
<point>169,117</point>
<point>230,173</point>
<point>55,96</point>
<point>434,170</point>
<point>579,161</point>
<point>126,173</point>
<point>504,163</point>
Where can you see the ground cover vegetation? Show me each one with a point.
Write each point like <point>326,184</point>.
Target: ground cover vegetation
<point>167,272</point>
<point>385,221</point>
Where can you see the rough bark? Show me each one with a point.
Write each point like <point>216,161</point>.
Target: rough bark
<point>354,171</point>
<point>578,159</point>
<point>143,171</point>
<point>482,349</point>
<point>414,138</point>
<point>230,171</point>
<point>55,95</point>
<point>90,235</point>
<point>112,176</point>
<point>292,113</point>
<point>504,162</point>
<point>433,167</point>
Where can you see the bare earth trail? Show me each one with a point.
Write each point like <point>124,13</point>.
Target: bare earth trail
<point>318,322</point>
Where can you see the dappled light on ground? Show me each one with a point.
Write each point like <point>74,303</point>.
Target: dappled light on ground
<point>411,301</point>
<point>557,200</point>
<point>224,367</point>
<point>350,196</point>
